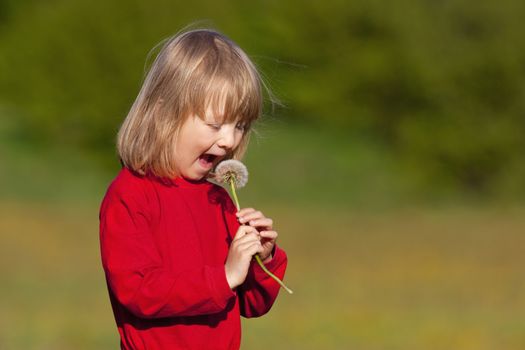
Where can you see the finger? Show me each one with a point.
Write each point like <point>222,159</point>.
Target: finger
<point>246,232</point>
<point>265,223</point>
<point>253,249</point>
<point>249,237</point>
<point>271,235</point>
<point>247,250</point>
<point>244,211</point>
<point>254,215</point>
<point>243,230</point>
<point>247,246</point>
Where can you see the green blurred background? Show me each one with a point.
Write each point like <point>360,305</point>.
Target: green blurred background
<point>394,169</point>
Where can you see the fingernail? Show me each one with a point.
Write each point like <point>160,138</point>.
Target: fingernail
<point>241,220</point>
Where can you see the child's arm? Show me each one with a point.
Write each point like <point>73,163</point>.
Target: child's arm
<point>135,271</point>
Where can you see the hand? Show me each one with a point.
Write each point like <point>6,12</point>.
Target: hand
<point>264,226</point>
<point>245,244</point>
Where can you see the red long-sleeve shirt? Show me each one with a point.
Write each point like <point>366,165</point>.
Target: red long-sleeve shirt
<point>164,246</point>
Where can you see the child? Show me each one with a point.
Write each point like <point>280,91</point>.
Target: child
<point>177,262</point>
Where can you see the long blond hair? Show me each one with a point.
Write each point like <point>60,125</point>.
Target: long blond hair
<point>193,71</point>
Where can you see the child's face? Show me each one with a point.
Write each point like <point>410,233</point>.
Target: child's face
<point>201,144</point>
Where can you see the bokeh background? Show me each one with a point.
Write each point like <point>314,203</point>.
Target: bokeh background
<point>394,167</point>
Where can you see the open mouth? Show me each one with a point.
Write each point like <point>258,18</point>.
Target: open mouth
<point>206,160</point>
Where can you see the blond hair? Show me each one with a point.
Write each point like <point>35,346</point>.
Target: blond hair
<point>194,71</point>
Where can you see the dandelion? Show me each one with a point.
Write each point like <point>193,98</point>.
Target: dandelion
<point>235,174</point>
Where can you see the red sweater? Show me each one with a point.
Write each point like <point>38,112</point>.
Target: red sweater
<point>164,246</point>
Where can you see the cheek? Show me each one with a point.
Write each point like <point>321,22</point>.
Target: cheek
<point>238,138</point>
<point>238,142</point>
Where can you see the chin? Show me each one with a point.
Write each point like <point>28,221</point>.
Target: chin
<point>195,177</point>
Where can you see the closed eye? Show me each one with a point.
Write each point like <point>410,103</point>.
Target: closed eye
<point>241,126</point>
<point>215,126</point>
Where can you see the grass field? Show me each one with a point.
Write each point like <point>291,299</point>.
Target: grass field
<point>407,279</point>
<point>368,273</point>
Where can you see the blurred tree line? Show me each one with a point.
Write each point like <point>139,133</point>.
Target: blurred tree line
<point>440,84</point>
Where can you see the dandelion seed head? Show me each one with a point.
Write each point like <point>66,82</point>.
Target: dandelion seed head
<point>232,169</point>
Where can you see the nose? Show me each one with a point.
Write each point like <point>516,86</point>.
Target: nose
<point>227,137</point>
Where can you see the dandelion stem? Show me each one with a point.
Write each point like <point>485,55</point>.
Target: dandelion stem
<point>236,200</point>
<point>261,264</point>
<point>257,257</point>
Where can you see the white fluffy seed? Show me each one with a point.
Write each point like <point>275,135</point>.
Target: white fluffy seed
<point>232,169</point>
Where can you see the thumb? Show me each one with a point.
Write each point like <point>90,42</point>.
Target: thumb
<point>243,230</point>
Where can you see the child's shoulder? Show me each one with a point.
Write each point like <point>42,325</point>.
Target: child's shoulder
<point>131,191</point>
<point>218,195</point>
<point>128,183</point>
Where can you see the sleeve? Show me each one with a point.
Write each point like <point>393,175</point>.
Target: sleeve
<point>259,291</point>
<point>135,272</point>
